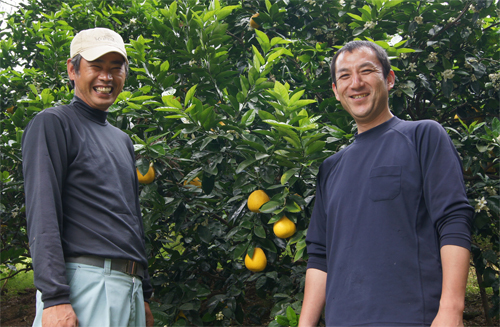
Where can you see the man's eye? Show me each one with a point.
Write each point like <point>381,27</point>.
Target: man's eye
<point>343,76</point>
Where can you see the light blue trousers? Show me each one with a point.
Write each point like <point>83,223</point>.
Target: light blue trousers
<point>101,297</point>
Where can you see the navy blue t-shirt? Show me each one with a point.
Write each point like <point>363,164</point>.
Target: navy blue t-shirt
<point>384,206</point>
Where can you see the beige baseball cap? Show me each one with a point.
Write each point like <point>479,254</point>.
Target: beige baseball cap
<point>96,42</point>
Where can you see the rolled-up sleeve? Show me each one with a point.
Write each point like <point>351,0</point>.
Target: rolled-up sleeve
<point>444,189</point>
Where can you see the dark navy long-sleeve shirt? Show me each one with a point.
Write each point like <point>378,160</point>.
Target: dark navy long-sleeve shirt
<point>81,194</point>
<point>384,207</point>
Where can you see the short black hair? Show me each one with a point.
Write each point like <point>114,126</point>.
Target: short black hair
<point>76,60</point>
<point>353,45</point>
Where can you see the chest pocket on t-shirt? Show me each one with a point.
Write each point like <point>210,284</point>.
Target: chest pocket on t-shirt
<point>385,183</point>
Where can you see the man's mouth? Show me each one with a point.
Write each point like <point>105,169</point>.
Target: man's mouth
<point>102,89</point>
<point>359,96</point>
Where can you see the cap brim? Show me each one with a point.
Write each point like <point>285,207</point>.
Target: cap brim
<point>94,53</point>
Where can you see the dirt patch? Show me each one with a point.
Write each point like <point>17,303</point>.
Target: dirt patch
<point>474,313</point>
<point>18,310</point>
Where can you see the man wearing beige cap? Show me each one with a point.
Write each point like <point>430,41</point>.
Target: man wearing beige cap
<point>84,221</point>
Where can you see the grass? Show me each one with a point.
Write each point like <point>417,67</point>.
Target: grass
<point>473,286</point>
<point>18,283</point>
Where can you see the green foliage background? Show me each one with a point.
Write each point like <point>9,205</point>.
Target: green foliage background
<point>245,109</point>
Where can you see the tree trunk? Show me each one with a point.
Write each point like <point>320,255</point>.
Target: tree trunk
<point>484,298</point>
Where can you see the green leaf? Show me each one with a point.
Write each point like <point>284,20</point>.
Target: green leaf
<point>293,207</point>
<point>315,147</point>
<point>206,141</point>
<point>261,282</point>
<point>257,146</point>
<point>366,14</point>
<point>260,231</point>
<point>263,40</point>
<point>165,66</point>
<point>205,234</point>
<point>302,103</point>
<point>392,3</point>
<point>298,255</point>
<point>447,87</point>
<point>296,96</point>
<point>293,142</point>
<point>283,321</point>
<point>356,17</point>
<point>259,56</point>
<point>383,44</point>
<point>243,165</point>
<point>158,149</point>
<point>239,250</point>
<point>495,126</point>
<point>265,115</point>
<point>275,55</point>
<point>248,118</point>
<point>33,89</point>
<point>268,5</point>
<point>289,173</point>
<point>226,11</point>
<point>190,95</point>
<point>282,91</point>
<point>405,50</point>
<point>291,315</point>
<point>142,98</point>
<point>269,206</point>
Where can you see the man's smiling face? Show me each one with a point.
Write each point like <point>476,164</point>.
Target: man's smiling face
<point>362,88</point>
<point>98,83</point>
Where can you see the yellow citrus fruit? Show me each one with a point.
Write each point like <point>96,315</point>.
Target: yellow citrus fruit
<point>256,200</point>
<point>253,23</point>
<point>196,182</point>
<point>284,228</point>
<point>258,262</point>
<point>181,315</point>
<point>149,177</point>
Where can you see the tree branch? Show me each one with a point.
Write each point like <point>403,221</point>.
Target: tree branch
<point>454,22</point>
<point>17,272</point>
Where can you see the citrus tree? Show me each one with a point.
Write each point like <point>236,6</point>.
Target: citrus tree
<point>228,98</point>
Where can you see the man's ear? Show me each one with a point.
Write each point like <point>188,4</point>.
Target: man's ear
<point>71,70</point>
<point>391,79</point>
<point>334,88</point>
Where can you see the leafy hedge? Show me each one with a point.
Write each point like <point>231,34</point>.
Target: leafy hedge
<point>242,109</point>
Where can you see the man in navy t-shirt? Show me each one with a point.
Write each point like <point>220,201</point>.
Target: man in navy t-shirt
<point>389,237</point>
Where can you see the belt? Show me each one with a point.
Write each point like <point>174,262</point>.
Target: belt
<point>126,266</point>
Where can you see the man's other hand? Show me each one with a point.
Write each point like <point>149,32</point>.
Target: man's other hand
<point>61,315</point>
<point>448,318</point>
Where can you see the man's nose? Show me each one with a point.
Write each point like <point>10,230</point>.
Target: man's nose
<point>106,75</point>
<point>356,80</point>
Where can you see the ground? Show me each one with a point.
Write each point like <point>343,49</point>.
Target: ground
<point>19,310</point>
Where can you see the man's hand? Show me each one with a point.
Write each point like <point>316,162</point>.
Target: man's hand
<point>61,315</point>
<point>448,318</point>
<point>149,316</point>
